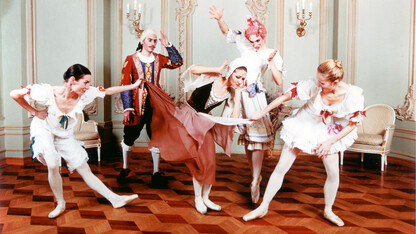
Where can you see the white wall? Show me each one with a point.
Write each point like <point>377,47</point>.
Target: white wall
<point>86,32</point>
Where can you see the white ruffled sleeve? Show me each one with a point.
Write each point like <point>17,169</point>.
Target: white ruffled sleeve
<point>354,105</point>
<point>277,59</point>
<point>41,93</point>
<point>91,94</point>
<point>303,90</point>
<point>192,82</point>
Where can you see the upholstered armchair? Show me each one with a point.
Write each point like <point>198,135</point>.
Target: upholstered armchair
<point>375,133</point>
<point>87,132</point>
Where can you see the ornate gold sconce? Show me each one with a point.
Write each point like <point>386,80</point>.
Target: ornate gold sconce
<point>302,24</point>
<point>136,17</point>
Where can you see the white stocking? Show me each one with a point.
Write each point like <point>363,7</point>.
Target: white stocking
<point>97,185</point>
<point>206,189</point>
<point>199,202</point>
<point>126,154</point>
<point>287,157</point>
<point>156,159</point>
<point>331,187</point>
<point>55,182</point>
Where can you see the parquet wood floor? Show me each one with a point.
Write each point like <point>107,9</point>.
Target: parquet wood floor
<point>369,201</point>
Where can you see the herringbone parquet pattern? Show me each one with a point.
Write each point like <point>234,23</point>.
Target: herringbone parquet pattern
<point>368,200</point>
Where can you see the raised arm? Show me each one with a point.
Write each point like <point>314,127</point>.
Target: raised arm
<point>18,95</point>
<point>119,89</point>
<point>277,102</point>
<point>217,14</point>
<point>214,71</point>
<point>276,73</point>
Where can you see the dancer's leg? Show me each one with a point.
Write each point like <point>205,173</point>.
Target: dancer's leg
<point>331,187</point>
<point>55,182</point>
<point>97,185</point>
<point>257,163</point>
<point>206,189</point>
<point>287,157</point>
<point>199,202</point>
<point>156,159</point>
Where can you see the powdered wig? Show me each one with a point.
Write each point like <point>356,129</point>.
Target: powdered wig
<point>145,33</point>
<point>255,28</point>
<point>332,68</point>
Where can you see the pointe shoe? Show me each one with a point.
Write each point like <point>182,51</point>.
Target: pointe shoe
<point>124,200</point>
<point>57,211</point>
<point>255,190</point>
<point>200,206</point>
<point>333,218</point>
<point>255,214</point>
<point>212,205</point>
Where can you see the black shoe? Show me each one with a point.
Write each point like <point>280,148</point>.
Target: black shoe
<point>159,181</point>
<point>121,178</point>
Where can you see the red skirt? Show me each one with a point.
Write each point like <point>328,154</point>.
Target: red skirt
<point>182,134</point>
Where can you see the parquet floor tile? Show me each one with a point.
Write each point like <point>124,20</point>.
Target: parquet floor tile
<point>369,201</point>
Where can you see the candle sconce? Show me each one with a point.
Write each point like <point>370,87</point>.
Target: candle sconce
<point>302,24</point>
<point>136,18</point>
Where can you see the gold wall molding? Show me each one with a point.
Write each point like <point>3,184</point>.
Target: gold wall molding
<point>323,30</point>
<point>403,154</point>
<point>164,13</point>
<point>407,111</point>
<point>184,14</point>
<point>31,42</point>
<point>280,26</point>
<point>258,9</point>
<point>92,109</point>
<point>350,71</point>
<point>118,52</point>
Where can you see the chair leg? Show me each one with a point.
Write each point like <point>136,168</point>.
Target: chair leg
<point>99,153</point>
<point>362,157</point>
<point>341,154</point>
<point>383,161</point>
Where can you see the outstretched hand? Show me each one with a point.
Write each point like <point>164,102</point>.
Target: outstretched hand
<point>163,39</point>
<point>216,14</point>
<point>223,66</point>
<point>138,82</point>
<point>271,56</point>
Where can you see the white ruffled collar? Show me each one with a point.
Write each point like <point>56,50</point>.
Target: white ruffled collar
<point>145,59</point>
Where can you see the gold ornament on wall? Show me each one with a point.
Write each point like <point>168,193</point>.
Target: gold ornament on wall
<point>301,31</point>
<point>137,15</point>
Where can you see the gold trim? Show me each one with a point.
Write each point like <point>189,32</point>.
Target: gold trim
<point>184,11</point>
<point>407,111</point>
<point>164,12</point>
<point>280,26</point>
<point>31,41</point>
<point>323,30</point>
<point>351,41</point>
<point>258,9</point>
<point>118,53</point>
<point>406,131</point>
<point>402,154</point>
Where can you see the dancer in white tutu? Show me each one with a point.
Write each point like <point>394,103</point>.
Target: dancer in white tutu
<point>52,130</point>
<point>323,126</point>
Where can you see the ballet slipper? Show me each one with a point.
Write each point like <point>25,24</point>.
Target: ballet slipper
<point>211,205</point>
<point>333,218</point>
<point>258,213</point>
<point>60,208</point>
<point>255,190</point>
<point>200,206</point>
<point>124,200</point>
